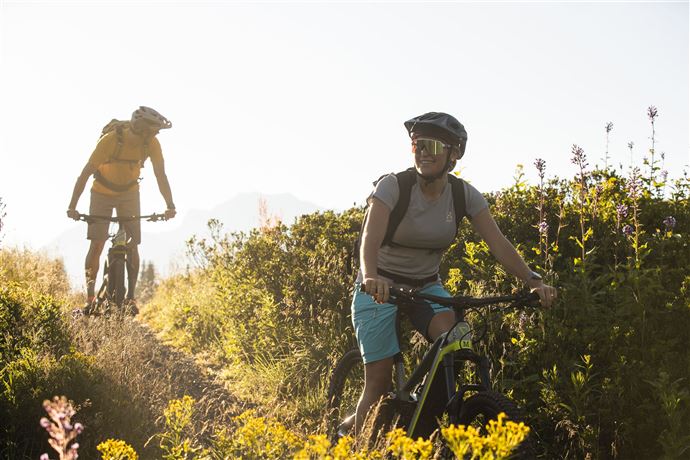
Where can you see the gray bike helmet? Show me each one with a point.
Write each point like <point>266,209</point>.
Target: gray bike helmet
<point>151,116</point>
<point>439,125</point>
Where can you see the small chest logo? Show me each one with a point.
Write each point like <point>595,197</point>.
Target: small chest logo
<point>449,216</point>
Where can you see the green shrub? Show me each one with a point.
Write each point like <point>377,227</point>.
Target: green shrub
<point>588,369</point>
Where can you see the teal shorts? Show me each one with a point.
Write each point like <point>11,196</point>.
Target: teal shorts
<point>374,323</point>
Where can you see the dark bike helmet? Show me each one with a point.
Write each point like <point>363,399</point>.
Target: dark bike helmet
<point>439,125</point>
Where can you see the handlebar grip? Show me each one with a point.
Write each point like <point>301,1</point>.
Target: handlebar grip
<point>532,300</point>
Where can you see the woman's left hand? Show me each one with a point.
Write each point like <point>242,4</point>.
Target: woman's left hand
<point>547,294</point>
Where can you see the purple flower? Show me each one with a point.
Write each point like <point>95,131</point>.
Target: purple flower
<point>634,184</point>
<point>670,223</point>
<point>652,113</point>
<point>543,227</point>
<point>664,175</point>
<point>61,430</point>
<point>609,127</point>
<point>622,211</point>
<point>579,158</point>
<point>628,230</point>
<point>541,166</point>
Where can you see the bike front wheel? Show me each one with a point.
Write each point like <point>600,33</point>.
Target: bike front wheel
<point>116,281</point>
<point>344,390</point>
<point>480,408</point>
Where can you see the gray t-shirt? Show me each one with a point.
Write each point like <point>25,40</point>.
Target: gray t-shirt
<point>428,226</point>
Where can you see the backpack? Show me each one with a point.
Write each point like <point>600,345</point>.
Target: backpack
<point>406,180</point>
<point>118,126</point>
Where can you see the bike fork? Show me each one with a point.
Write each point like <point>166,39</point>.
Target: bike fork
<point>449,374</point>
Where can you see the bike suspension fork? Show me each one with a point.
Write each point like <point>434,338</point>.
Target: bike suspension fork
<point>449,374</point>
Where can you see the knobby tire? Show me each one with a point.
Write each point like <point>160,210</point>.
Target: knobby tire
<point>100,304</point>
<point>116,283</point>
<point>481,407</point>
<point>344,389</point>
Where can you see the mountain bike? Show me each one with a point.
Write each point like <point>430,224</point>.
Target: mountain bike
<point>111,294</point>
<point>437,388</point>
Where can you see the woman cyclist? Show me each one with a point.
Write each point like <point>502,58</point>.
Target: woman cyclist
<point>411,258</point>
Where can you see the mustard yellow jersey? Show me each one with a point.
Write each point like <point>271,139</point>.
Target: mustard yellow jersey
<point>126,167</point>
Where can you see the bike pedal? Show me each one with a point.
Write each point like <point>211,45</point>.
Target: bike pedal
<point>345,427</point>
<point>130,307</point>
<point>88,309</point>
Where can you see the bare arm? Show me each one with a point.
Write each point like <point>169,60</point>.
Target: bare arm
<point>503,250</point>
<point>500,247</point>
<point>79,186</point>
<point>164,187</point>
<point>372,237</point>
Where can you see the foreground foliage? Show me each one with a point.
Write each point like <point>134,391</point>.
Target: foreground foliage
<point>118,375</point>
<point>255,437</point>
<point>603,374</point>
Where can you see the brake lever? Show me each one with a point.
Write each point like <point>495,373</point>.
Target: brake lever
<point>532,300</point>
<point>156,218</point>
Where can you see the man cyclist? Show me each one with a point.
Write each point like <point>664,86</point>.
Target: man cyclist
<point>115,164</point>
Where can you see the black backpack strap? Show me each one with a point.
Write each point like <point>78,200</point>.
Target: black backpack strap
<point>458,186</point>
<point>406,180</point>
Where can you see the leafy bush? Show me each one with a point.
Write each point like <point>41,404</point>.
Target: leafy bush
<point>34,270</point>
<point>603,373</point>
<point>256,437</point>
<point>589,367</point>
<point>33,340</point>
<point>115,371</point>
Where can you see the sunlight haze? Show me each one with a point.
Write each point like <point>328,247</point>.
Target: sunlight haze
<point>310,98</point>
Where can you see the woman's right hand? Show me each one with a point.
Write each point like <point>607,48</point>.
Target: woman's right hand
<point>377,287</point>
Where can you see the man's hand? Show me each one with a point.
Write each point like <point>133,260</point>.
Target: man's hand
<point>73,214</point>
<point>378,288</point>
<point>170,213</point>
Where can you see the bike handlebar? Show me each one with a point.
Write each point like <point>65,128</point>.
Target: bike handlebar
<point>149,217</point>
<point>526,299</point>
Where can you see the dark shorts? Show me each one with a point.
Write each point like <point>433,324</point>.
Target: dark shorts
<point>125,204</point>
<point>375,323</point>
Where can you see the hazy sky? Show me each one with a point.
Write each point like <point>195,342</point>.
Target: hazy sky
<point>309,98</point>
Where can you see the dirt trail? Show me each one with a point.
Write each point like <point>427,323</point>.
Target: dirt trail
<point>151,373</point>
